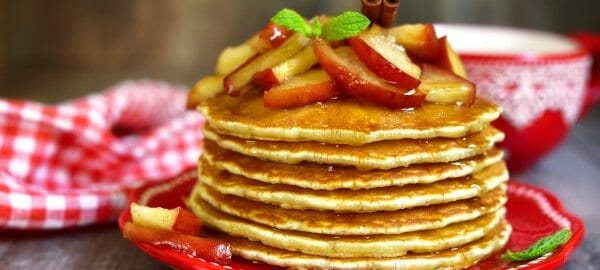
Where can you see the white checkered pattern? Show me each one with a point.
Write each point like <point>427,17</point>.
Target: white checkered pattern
<point>72,164</point>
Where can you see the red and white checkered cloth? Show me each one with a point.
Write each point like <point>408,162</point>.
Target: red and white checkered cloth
<point>73,164</point>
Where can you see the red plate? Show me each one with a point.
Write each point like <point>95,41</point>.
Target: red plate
<point>533,213</point>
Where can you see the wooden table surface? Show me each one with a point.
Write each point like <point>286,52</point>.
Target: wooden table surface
<point>572,172</point>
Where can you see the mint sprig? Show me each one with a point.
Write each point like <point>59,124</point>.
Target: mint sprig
<point>348,24</point>
<point>541,247</point>
<point>345,25</point>
<point>293,21</point>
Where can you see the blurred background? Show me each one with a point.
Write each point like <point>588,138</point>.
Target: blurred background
<point>54,50</point>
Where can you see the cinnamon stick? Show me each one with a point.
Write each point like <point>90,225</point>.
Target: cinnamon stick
<point>372,9</point>
<point>389,9</point>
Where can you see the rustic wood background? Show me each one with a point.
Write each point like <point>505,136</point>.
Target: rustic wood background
<point>52,50</point>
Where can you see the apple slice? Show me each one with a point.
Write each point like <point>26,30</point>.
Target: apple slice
<point>354,78</point>
<point>443,86</point>
<point>274,35</point>
<point>205,88</point>
<point>298,64</point>
<point>208,249</point>
<point>271,36</point>
<point>233,57</point>
<point>419,40</point>
<point>449,59</point>
<point>385,58</point>
<point>239,78</point>
<point>308,88</point>
<point>177,219</point>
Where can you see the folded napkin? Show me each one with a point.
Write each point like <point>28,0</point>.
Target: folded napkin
<point>73,164</point>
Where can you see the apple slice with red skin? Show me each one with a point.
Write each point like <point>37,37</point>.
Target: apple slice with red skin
<point>307,88</point>
<point>354,78</point>
<point>287,69</point>
<point>385,58</point>
<point>443,86</point>
<point>274,34</point>
<point>208,249</point>
<point>239,78</point>
<point>271,36</point>
<point>419,40</point>
<point>177,219</point>
<point>449,59</point>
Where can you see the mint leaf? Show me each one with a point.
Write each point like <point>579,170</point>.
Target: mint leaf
<point>541,247</point>
<point>293,21</point>
<point>316,28</point>
<point>348,24</point>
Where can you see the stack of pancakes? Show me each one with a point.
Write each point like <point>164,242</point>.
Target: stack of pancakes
<point>351,185</point>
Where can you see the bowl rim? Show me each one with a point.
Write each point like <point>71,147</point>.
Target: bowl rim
<point>525,56</point>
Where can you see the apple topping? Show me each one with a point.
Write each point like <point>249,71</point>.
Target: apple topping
<point>354,78</point>
<point>271,36</point>
<point>209,249</point>
<point>274,35</point>
<point>385,58</point>
<point>233,57</point>
<point>443,86</point>
<point>236,80</point>
<point>449,59</point>
<point>419,40</point>
<point>308,88</point>
<point>177,219</point>
<point>383,66</point>
<point>287,69</point>
<point>207,87</point>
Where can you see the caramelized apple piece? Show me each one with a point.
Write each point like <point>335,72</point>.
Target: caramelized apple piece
<point>308,88</point>
<point>177,219</point>
<point>209,249</point>
<point>419,40</point>
<point>287,69</point>
<point>274,35</point>
<point>354,78</point>
<point>443,86</point>
<point>207,87</point>
<point>233,57</point>
<point>385,58</point>
<point>449,59</point>
<point>271,36</point>
<point>239,78</point>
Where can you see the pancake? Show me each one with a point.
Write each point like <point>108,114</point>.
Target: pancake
<point>379,155</point>
<point>346,200</point>
<point>342,121</point>
<point>317,176</point>
<point>458,258</point>
<point>382,245</point>
<point>329,222</point>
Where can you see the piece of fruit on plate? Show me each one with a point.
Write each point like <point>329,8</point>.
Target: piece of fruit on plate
<point>419,40</point>
<point>444,87</point>
<point>177,219</point>
<point>385,58</point>
<point>307,88</point>
<point>352,76</point>
<point>242,76</point>
<point>287,69</point>
<point>271,36</point>
<point>209,249</point>
<point>449,59</point>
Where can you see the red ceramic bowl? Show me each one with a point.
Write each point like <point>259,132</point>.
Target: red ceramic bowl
<point>540,79</point>
<point>532,212</point>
